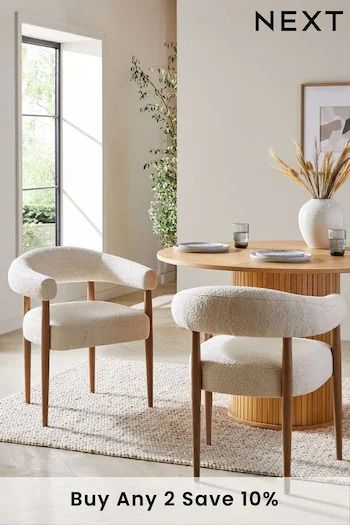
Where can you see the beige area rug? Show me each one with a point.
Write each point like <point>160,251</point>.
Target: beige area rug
<point>117,422</point>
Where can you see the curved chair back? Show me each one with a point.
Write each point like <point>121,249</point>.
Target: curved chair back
<point>256,312</point>
<point>36,273</point>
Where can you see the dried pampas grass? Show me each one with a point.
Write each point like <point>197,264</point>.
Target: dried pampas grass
<point>320,179</point>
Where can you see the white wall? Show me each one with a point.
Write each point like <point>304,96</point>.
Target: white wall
<point>239,94</point>
<point>82,163</point>
<point>129,27</point>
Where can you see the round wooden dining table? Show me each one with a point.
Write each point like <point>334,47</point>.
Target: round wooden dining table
<point>320,276</point>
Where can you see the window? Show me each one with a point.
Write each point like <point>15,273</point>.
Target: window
<point>41,122</point>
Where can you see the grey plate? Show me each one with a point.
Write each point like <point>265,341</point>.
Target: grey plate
<point>282,258</point>
<point>203,247</point>
<point>279,253</point>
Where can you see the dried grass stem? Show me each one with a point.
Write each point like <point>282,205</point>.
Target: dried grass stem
<point>321,178</point>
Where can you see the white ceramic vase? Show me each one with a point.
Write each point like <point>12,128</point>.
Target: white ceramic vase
<point>316,217</point>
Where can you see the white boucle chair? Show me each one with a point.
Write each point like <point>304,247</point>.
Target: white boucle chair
<point>78,324</point>
<point>248,357</point>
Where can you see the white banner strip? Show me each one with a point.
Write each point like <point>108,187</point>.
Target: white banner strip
<point>245,500</point>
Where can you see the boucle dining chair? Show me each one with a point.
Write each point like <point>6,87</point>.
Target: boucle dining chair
<point>261,350</point>
<point>79,324</point>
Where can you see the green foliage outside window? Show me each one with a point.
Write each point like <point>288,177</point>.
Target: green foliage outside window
<point>38,146</point>
<point>39,214</point>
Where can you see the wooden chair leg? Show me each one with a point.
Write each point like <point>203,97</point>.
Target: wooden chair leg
<point>27,351</point>
<point>196,401</point>
<point>90,295</point>
<point>45,360</point>
<point>208,416</point>
<point>92,366</point>
<point>208,406</point>
<point>337,392</point>
<point>149,371</point>
<point>149,347</point>
<point>27,368</point>
<point>287,393</point>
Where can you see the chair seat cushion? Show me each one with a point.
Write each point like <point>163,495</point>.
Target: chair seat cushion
<point>82,324</point>
<point>252,366</point>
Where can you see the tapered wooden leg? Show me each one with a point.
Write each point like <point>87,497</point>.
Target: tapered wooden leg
<point>149,347</point>
<point>196,401</point>
<point>45,360</point>
<point>208,406</point>
<point>27,367</point>
<point>90,291</point>
<point>337,393</point>
<point>92,369</point>
<point>90,295</point>
<point>27,351</point>
<point>287,397</point>
<point>149,371</point>
<point>208,416</point>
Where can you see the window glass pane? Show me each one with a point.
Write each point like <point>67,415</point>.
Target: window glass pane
<point>38,152</point>
<point>39,218</point>
<point>38,79</point>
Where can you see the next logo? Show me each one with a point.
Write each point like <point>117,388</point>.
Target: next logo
<point>287,20</point>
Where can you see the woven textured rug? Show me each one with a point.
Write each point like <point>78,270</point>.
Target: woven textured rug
<point>116,421</point>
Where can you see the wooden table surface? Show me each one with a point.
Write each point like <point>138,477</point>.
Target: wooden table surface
<point>240,260</point>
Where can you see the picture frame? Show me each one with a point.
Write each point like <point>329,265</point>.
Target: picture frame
<point>325,117</point>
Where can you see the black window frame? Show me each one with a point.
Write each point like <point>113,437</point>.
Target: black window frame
<point>57,117</point>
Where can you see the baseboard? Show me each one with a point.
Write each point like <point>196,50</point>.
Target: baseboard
<point>110,293</point>
<point>9,325</point>
<point>103,292</point>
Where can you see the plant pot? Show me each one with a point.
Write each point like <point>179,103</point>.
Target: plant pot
<point>316,217</point>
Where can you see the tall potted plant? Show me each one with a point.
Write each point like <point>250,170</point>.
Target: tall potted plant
<point>321,179</point>
<point>157,91</point>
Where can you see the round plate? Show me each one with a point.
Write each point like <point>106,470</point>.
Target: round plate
<point>263,254</point>
<point>282,258</point>
<point>203,247</point>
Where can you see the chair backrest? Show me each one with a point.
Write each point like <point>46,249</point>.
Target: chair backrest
<point>256,312</point>
<point>36,273</point>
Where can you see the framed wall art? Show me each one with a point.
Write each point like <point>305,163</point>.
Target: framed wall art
<point>325,117</point>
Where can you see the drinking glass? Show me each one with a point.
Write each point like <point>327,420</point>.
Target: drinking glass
<point>337,241</point>
<point>241,234</point>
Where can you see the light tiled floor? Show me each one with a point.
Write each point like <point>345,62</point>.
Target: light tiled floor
<point>171,344</point>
